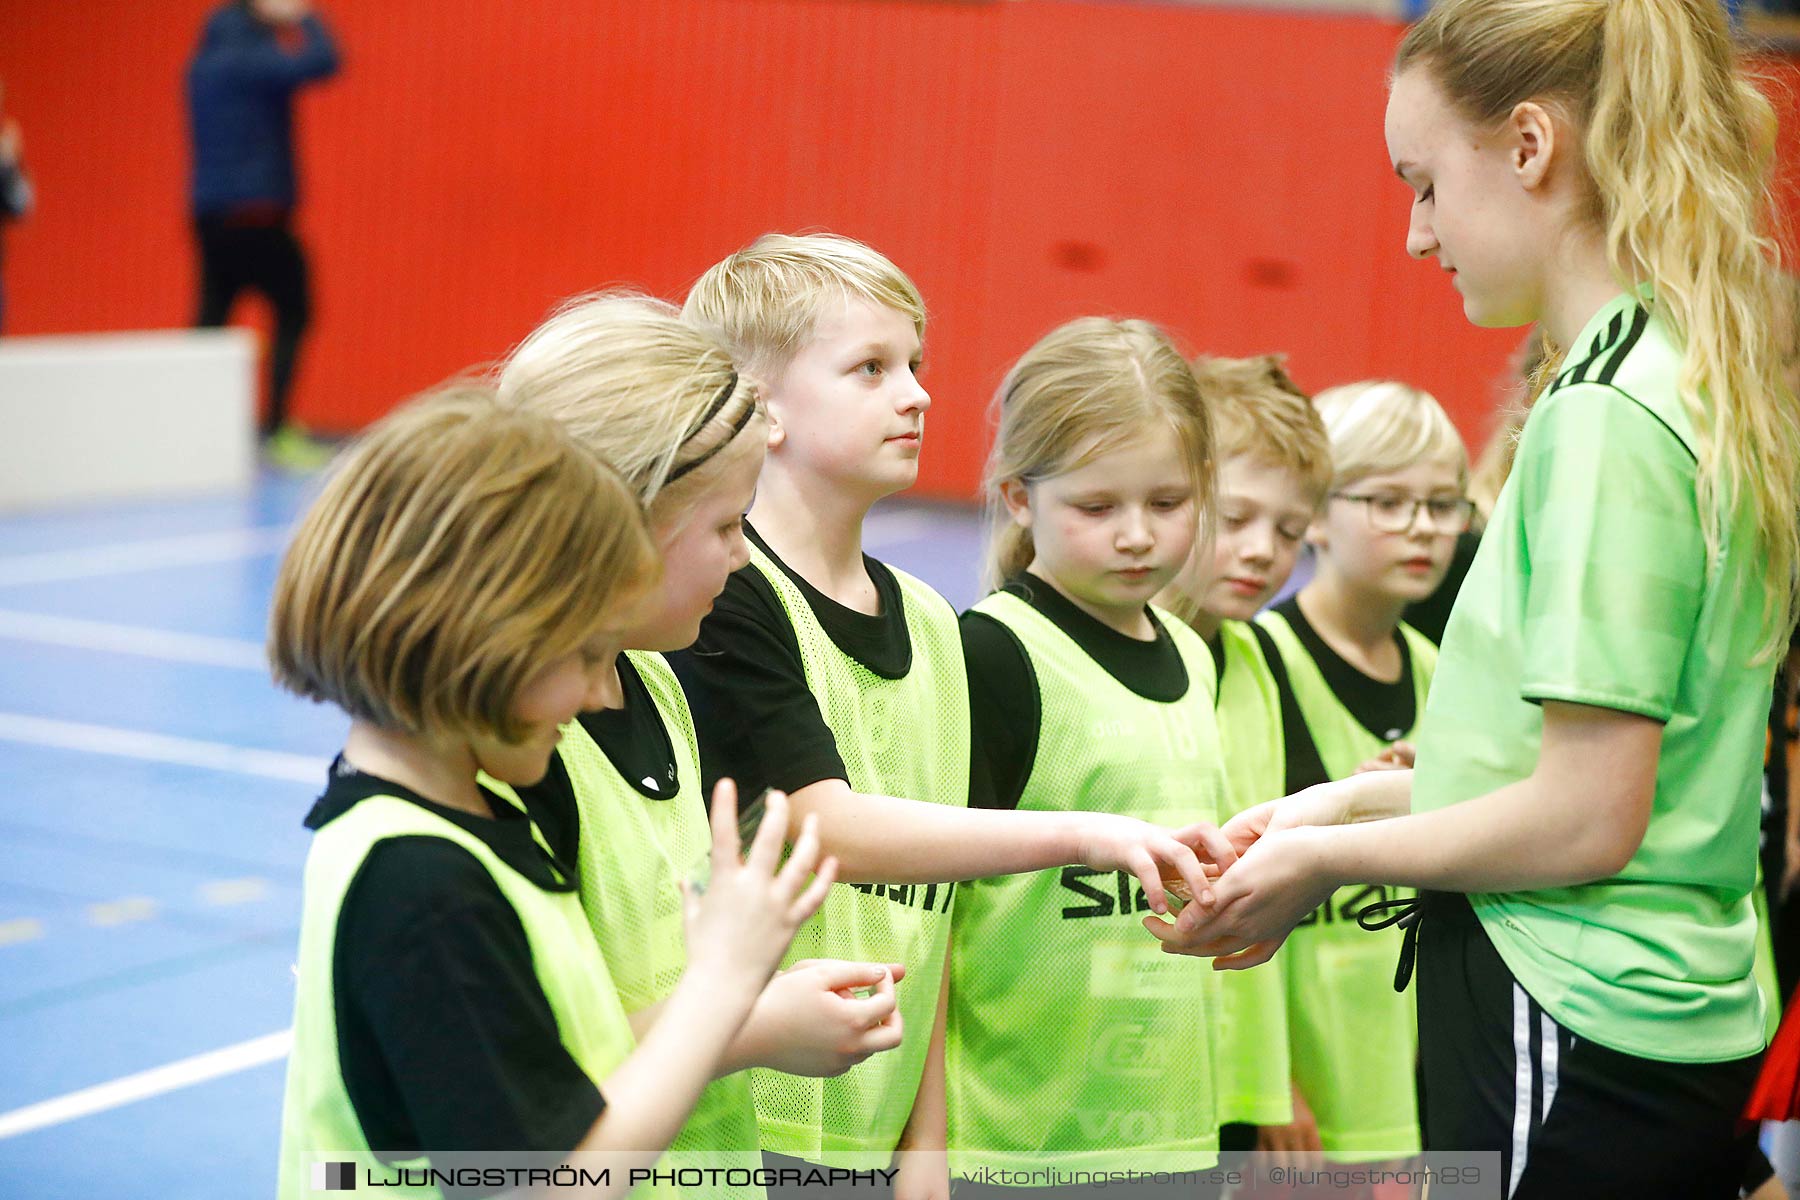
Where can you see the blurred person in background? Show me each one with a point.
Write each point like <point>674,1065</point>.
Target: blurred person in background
<point>253,56</point>
<point>15,186</point>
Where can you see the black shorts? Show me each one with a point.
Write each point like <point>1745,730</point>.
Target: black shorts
<point>1569,1117</point>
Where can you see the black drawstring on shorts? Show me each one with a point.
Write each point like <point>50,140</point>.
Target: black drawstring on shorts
<point>1404,912</point>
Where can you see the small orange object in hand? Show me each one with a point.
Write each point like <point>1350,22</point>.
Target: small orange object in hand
<point>1177,889</point>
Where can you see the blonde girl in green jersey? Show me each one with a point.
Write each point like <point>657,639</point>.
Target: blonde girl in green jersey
<point>457,589</point>
<point>1585,802</point>
<point>1084,695</point>
<point>660,401</point>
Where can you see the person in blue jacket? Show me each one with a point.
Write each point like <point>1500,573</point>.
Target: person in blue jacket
<point>253,56</point>
<point>15,185</point>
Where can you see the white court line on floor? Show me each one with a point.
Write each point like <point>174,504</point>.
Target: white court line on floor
<point>158,747</point>
<point>150,554</point>
<point>82,634</point>
<point>145,1084</point>
<point>91,562</point>
<point>127,911</point>
<point>20,929</point>
<point>247,890</point>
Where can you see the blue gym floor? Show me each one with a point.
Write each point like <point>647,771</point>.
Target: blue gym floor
<point>150,840</point>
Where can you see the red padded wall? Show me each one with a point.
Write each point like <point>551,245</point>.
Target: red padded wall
<point>1221,171</point>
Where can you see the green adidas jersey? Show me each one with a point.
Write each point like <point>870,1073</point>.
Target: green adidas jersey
<point>1766,980</point>
<point>318,1117</point>
<point>1072,1038</point>
<point>1593,586</point>
<point>634,851</point>
<point>1353,1038</point>
<point>1252,1051</point>
<point>906,737</point>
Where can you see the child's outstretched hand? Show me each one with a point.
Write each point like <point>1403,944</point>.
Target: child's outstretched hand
<point>1254,904</point>
<point>740,923</point>
<point>812,1020</point>
<point>1110,842</point>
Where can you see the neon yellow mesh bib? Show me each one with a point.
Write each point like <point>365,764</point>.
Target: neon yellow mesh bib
<point>317,1114</point>
<point>1072,1039</point>
<point>1352,1037</point>
<point>1254,1066</point>
<point>905,737</point>
<point>634,852</point>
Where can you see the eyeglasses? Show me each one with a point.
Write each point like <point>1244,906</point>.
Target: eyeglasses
<point>1396,513</point>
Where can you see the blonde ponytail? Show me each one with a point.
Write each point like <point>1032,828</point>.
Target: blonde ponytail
<point>655,397</point>
<point>1679,147</point>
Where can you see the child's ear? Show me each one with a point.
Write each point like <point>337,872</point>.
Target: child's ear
<point>1315,532</point>
<point>777,432</point>
<point>1017,498</point>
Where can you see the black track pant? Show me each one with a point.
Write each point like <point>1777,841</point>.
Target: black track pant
<point>266,259</point>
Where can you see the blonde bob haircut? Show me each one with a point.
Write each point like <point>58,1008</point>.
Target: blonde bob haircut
<point>1258,411</point>
<point>655,397</point>
<point>459,547</point>
<point>1088,388</point>
<point>766,299</point>
<point>1378,426</point>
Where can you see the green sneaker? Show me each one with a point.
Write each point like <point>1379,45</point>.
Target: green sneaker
<point>291,448</point>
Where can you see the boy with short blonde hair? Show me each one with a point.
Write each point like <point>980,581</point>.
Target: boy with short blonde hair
<point>767,298</point>
<point>1274,471</point>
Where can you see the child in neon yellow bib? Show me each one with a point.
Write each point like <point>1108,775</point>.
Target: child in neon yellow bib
<point>1084,695</point>
<point>659,400</point>
<point>1274,471</point>
<point>1354,679</point>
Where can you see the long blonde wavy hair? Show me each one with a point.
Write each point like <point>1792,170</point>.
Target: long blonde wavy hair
<point>1678,144</point>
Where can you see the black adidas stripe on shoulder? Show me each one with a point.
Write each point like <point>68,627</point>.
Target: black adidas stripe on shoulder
<point>1608,352</point>
<point>1639,320</point>
<point>1577,373</point>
